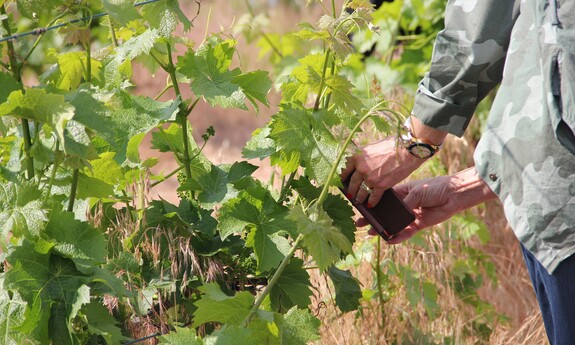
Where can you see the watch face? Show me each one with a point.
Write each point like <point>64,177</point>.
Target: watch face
<point>421,150</point>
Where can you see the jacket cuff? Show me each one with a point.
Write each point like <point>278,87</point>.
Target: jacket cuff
<point>440,114</point>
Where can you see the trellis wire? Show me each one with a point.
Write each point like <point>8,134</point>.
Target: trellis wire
<point>40,31</point>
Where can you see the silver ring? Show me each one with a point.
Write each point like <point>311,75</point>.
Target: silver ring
<point>365,187</point>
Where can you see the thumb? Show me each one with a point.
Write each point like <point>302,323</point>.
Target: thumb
<point>413,198</point>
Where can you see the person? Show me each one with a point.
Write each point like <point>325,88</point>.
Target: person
<point>526,154</point>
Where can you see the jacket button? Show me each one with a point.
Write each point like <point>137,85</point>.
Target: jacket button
<point>493,177</point>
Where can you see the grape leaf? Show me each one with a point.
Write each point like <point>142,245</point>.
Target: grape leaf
<point>106,169</point>
<point>257,209</point>
<point>132,115</point>
<point>239,170</point>
<point>7,85</point>
<point>270,250</point>
<point>12,309</point>
<point>117,67</point>
<point>91,112</point>
<point>215,306</point>
<point>304,79</point>
<point>257,332</point>
<point>300,327</point>
<point>165,15</point>
<point>39,105</point>
<point>292,288</point>
<point>296,132</point>
<point>259,146</point>
<point>76,240</point>
<point>347,289</point>
<point>100,322</point>
<point>325,242</point>
<point>39,10</point>
<point>73,67</point>
<point>21,210</point>
<point>122,11</point>
<point>181,336</point>
<point>341,89</point>
<point>208,68</point>
<point>336,207</point>
<point>42,280</point>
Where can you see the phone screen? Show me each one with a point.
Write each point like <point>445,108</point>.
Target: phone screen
<point>389,217</point>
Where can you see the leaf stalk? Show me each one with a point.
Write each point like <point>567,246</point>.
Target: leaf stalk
<point>272,281</point>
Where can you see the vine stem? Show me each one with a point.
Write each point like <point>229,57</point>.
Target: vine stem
<point>182,114</point>
<point>16,68</point>
<point>272,282</point>
<point>74,189</point>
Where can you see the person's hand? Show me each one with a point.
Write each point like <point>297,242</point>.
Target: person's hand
<point>437,199</point>
<point>380,166</point>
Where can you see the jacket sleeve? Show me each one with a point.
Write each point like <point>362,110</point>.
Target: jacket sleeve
<point>467,62</point>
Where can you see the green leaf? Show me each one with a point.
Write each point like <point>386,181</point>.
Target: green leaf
<point>107,170</point>
<point>21,210</point>
<point>239,170</point>
<point>215,306</point>
<point>325,242</point>
<point>119,67</point>
<point>38,105</point>
<point>300,327</point>
<point>91,112</point>
<point>305,79</point>
<point>43,280</point>
<point>296,132</point>
<point>7,85</point>
<point>133,148</point>
<point>164,16</point>
<point>76,240</point>
<point>341,89</point>
<point>430,294</point>
<point>208,68</point>
<point>255,85</point>
<point>259,146</point>
<point>133,115</point>
<point>91,187</point>
<point>213,184</point>
<point>255,207</point>
<point>168,139</point>
<point>102,323</point>
<point>338,208</point>
<point>181,336</point>
<point>257,332</point>
<point>292,288</point>
<point>73,68</point>
<point>122,11</point>
<point>12,309</point>
<point>270,249</point>
<point>347,289</point>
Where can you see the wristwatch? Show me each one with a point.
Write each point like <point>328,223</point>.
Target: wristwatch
<point>420,148</point>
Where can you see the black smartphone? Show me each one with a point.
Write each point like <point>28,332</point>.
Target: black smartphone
<point>389,217</point>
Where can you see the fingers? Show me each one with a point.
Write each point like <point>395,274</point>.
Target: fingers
<point>349,168</point>
<point>374,197</point>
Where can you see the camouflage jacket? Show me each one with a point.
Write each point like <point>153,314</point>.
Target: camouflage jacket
<point>527,151</point>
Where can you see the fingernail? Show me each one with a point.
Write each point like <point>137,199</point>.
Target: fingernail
<point>349,196</point>
<point>369,205</point>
